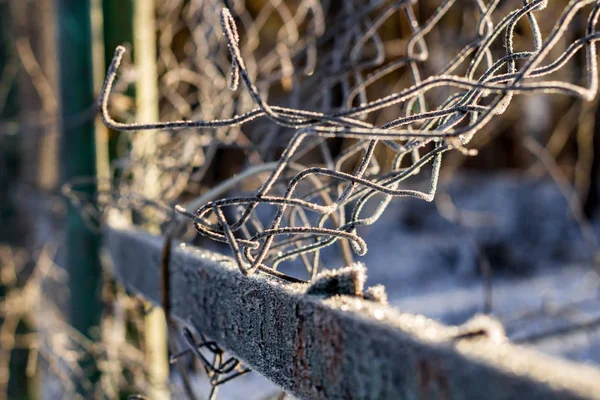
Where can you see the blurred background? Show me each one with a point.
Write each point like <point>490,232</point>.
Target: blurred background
<point>512,231</point>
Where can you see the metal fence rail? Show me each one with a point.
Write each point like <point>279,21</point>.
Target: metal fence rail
<point>340,346</point>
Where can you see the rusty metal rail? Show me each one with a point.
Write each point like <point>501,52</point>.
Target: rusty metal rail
<point>341,346</point>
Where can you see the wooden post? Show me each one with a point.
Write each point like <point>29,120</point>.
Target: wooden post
<point>79,160</point>
<point>144,144</point>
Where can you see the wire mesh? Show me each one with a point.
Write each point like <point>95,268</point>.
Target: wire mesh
<point>327,75</point>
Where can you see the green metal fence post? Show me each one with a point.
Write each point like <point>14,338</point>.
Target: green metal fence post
<point>79,159</point>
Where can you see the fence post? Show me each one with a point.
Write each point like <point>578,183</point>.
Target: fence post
<point>144,48</point>
<point>78,159</point>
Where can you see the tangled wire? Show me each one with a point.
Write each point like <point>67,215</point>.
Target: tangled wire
<point>315,195</point>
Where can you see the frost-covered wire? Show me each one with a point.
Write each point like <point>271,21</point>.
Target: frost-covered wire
<point>288,99</point>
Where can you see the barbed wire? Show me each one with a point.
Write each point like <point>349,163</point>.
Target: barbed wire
<point>315,206</point>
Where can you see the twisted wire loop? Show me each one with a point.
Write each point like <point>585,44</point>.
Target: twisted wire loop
<point>220,369</point>
<point>330,66</point>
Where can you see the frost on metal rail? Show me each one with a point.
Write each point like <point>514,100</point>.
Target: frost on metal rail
<point>341,346</point>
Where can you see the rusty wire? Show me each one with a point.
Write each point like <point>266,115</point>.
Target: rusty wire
<point>317,203</point>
